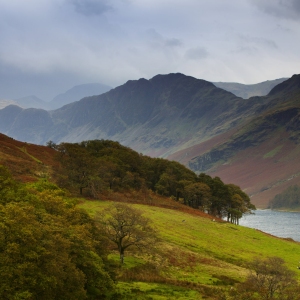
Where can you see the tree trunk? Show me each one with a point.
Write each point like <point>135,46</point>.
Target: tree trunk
<point>122,257</point>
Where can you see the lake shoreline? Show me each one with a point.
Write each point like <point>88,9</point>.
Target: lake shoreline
<point>282,224</point>
<point>280,209</point>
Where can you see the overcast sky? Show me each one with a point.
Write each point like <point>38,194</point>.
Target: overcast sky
<point>48,46</point>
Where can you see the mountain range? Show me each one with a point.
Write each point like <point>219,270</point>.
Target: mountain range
<point>84,90</point>
<point>253,142</point>
<point>74,94</point>
<point>249,90</point>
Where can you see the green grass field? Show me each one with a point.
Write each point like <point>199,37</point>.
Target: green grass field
<point>195,256</point>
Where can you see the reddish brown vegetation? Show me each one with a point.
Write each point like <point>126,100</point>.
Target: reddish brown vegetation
<point>27,162</point>
<point>259,176</point>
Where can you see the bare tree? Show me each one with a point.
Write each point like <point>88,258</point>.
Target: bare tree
<point>126,227</point>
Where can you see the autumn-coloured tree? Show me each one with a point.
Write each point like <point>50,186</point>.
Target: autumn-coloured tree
<point>126,227</point>
<point>49,249</point>
<point>270,279</point>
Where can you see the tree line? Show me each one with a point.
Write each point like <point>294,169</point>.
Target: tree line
<point>96,166</point>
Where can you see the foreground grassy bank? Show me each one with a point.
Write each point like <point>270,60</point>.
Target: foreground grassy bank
<point>196,256</point>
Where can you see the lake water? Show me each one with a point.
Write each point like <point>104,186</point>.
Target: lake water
<point>281,224</point>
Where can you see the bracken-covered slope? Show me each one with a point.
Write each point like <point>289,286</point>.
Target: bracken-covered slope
<point>26,162</point>
<point>262,155</point>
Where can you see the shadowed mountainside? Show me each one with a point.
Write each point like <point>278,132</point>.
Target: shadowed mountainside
<point>156,116</point>
<point>261,155</point>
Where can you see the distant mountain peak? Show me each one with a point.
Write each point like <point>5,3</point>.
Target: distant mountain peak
<point>247,91</point>
<point>78,92</point>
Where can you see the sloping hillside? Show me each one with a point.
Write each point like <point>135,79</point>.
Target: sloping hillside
<point>262,155</point>
<point>196,256</point>
<point>27,162</point>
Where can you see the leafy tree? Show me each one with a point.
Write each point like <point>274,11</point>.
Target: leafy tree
<point>239,204</point>
<point>79,168</point>
<point>220,198</point>
<point>269,280</point>
<point>49,249</point>
<point>34,260</point>
<point>126,227</point>
<point>171,179</point>
<point>197,195</point>
<point>51,144</point>
<point>166,184</point>
<point>226,199</point>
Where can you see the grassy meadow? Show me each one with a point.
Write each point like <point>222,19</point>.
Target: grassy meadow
<point>195,257</point>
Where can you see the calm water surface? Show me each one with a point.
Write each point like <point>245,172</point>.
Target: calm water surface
<point>281,224</point>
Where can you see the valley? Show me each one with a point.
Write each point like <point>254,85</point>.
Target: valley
<point>196,255</point>
<point>254,142</point>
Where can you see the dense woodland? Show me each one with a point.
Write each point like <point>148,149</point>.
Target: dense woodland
<point>94,167</point>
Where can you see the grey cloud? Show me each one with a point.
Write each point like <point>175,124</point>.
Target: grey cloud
<point>258,41</point>
<point>91,7</point>
<point>173,42</point>
<point>157,40</point>
<point>287,9</point>
<point>248,50</point>
<point>16,84</point>
<point>252,46</point>
<point>196,53</point>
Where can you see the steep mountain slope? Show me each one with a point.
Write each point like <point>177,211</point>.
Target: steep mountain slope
<point>262,156</point>
<point>246,91</point>
<point>156,116</point>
